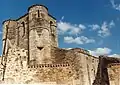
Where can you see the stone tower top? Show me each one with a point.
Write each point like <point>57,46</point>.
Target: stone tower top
<point>38,8</point>
<point>37,5</point>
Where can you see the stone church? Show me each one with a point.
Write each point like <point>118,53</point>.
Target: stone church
<point>31,55</point>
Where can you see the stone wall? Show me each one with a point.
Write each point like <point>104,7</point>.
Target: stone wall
<point>16,32</point>
<point>44,56</point>
<point>69,67</point>
<point>75,68</point>
<point>114,73</point>
<point>17,70</point>
<point>1,69</point>
<point>22,32</point>
<point>102,76</point>
<point>83,64</point>
<point>9,35</point>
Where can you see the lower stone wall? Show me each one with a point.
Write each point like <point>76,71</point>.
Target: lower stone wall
<point>84,65</point>
<point>102,76</point>
<point>114,73</point>
<point>60,75</point>
<point>18,72</point>
<point>71,67</point>
<point>34,75</point>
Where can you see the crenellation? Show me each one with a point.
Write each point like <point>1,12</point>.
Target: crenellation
<point>48,65</point>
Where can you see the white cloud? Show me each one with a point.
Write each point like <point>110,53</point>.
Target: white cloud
<point>82,26</point>
<point>103,51</point>
<point>115,6</point>
<point>111,24</point>
<point>78,40</point>
<point>94,26</point>
<point>105,29</point>
<point>100,51</point>
<point>67,48</point>
<point>102,30</point>
<point>73,29</point>
<point>115,55</point>
<point>63,26</point>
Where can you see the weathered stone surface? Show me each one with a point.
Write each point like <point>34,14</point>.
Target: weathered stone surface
<point>31,55</point>
<point>114,73</point>
<point>102,76</point>
<point>74,68</point>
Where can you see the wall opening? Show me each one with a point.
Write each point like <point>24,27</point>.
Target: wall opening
<point>40,48</point>
<point>23,24</point>
<point>51,28</point>
<point>38,13</point>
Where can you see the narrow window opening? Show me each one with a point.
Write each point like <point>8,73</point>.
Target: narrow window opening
<point>18,37</point>
<point>51,23</point>
<point>92,60</point>
<point>38,13</point>
<point>23,24</point>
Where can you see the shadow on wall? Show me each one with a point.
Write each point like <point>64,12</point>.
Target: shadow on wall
<point>102,72</point>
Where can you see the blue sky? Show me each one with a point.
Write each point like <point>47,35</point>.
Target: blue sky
<point>90,24</point>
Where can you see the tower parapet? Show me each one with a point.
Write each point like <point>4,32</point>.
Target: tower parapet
<point>38,17</point>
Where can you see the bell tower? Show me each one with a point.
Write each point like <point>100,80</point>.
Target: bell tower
<point>42,34</point>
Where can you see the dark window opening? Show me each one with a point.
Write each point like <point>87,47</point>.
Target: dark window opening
<point>23,24</point>
<point>23,50</point>
<point>51,23</point>
<point>40,48</point>
<point>87,58</point>
<point>92,60</point>
<point>18,37</point>
<point>69,71</point>
<point>38,13</point>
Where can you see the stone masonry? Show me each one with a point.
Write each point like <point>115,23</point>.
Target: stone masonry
<point>31,55</point>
